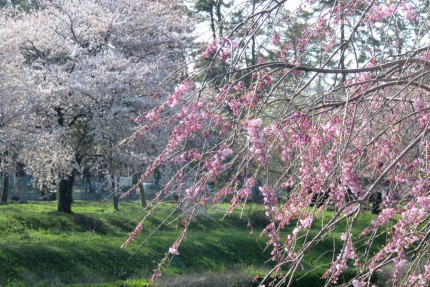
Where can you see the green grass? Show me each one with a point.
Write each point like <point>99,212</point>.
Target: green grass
<point>41,247</point>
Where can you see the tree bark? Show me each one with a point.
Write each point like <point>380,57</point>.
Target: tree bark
<point>115,194</point>
<point>143,202</point>
<point>343,49</point>
<point>5,192</point>
<point>220,18</point>
<point>116,201</point>
<point>65,198</point>
<point>211,13</point>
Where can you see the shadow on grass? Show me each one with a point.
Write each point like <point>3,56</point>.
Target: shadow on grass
<point>66,263</point>
<point>93,260</point>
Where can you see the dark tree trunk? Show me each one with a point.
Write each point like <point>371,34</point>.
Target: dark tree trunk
<point>253,53</point>
<point>116,202</point>
<point>342,51</point>
<point>5,192</point>
<point>115,194</point>
<point>142,195</point>
<point>376,203</point>
<point>136,180</point>
<point>65,187</point>
<point>65,198</point>
<point>220,18</point>
<point>211,13</point>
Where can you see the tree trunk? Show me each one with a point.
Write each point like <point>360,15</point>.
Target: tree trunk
<point>5,192</point>
<point>253,52</point>
<point>142,195</point>
<point>115,194</point>
<point>116,202</point>
<point>220,18</point>
<point>376,200</point>
<point>211,13</point>
<point>65,198</point>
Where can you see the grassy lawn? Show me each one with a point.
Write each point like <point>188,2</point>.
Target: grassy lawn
<point>40,247</point>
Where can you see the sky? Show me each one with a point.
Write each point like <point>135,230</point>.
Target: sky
<point>202,29</point>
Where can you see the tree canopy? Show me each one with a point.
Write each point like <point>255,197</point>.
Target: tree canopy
<point>333,113</point>
<point>77,73</point>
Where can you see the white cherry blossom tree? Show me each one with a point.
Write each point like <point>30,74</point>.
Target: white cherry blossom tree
<point>93,66</point>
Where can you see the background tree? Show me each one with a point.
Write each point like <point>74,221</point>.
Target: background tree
<point>90,63</point>
<point>24,5</point>
<point>216,16</point>
<point>15,103</point>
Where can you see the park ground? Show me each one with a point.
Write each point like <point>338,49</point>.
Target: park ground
<point>41,247</point>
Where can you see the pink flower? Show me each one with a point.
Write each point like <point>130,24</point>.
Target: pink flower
<point>255,123</point>
<point>184,87</point>
<point>357,283</point>
<point>235,106</point>
<point>133,235</point>
<point>174,251</point>
<point>345,236</point>
<point>247,189</point>
<point>307,221</point>
<point>238,86</point>
<point>276,39</point>
<point>180,90</point>
<point>173,101</point>
<point>210,50</point>
<point>228,48</point>
<point>255,136</point>
<point>226,152</point>
<point>419,104</point>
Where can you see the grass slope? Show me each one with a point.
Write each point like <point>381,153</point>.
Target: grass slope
<point>39,246</point>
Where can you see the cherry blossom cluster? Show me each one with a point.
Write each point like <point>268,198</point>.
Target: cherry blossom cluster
<point>255,137</point>
<point>180,90</point>
<point>225,49</point>
<point>138,229</point>
<point>324,120</point>
<point>340,264</point>
<point>216,166</point>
